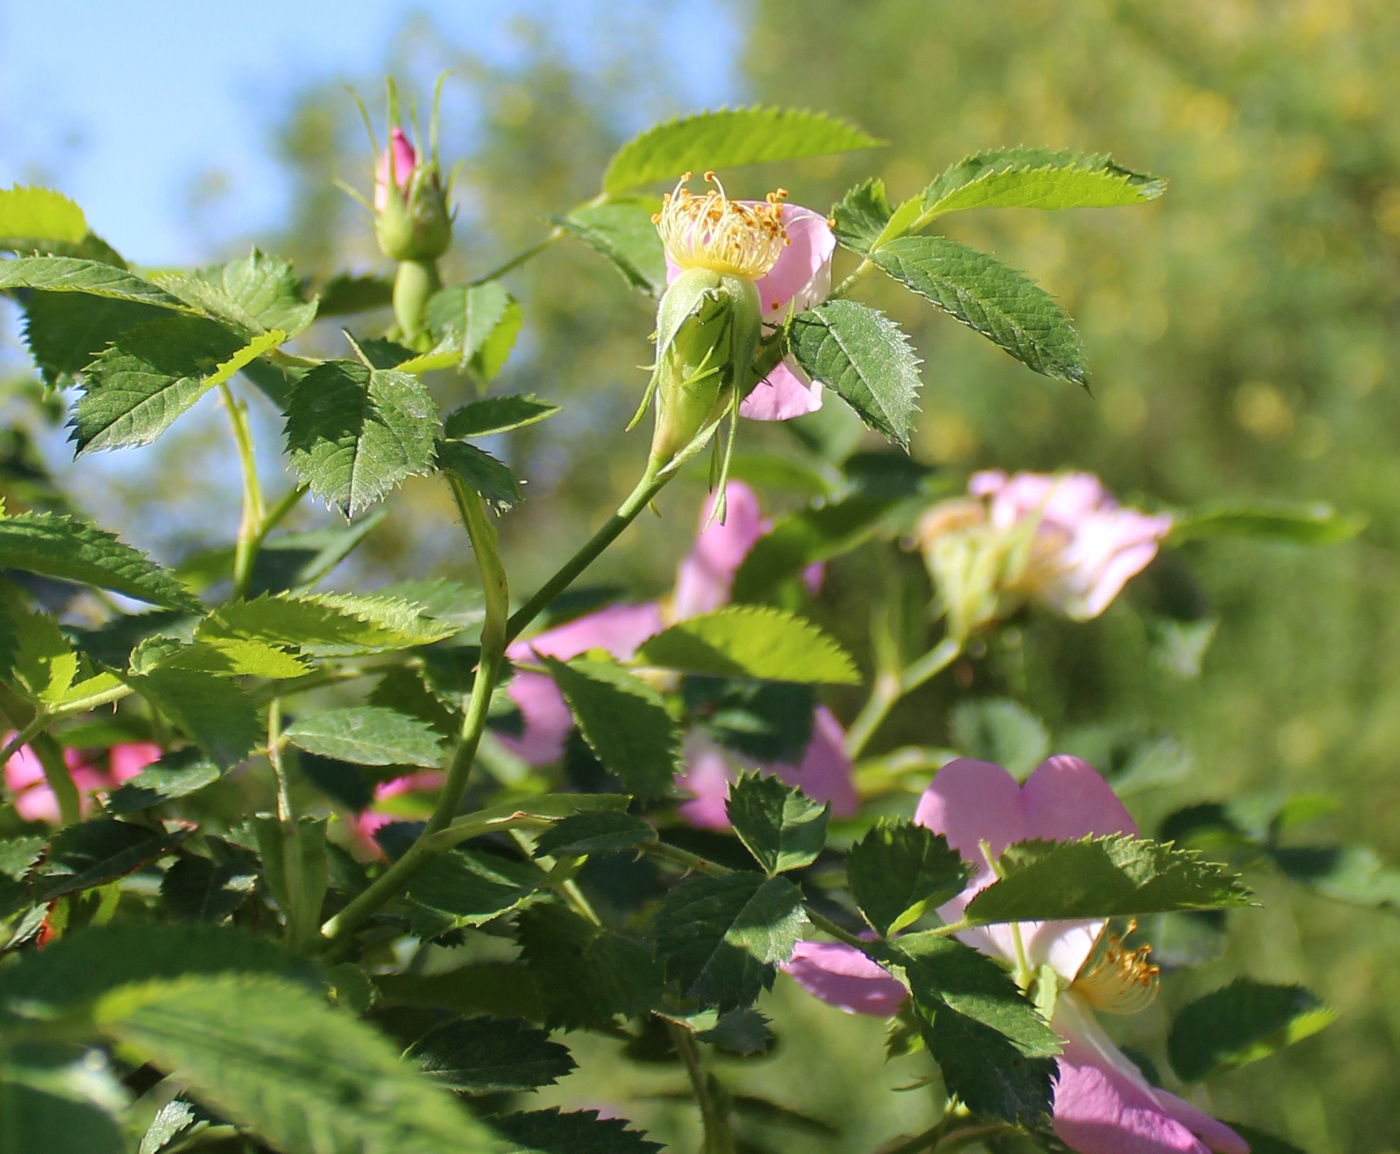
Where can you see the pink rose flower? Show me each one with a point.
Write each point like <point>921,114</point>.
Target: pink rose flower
<point>703,582</point>
<point>378,813</point>
<point>35,801</point>
<point>1103,1104</point>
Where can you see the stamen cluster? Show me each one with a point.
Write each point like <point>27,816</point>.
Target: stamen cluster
<point>1119,980</point>
<point>720,234</point>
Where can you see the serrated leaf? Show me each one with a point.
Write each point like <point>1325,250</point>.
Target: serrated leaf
<point>482,320</point>
<point>367,735</point>
<point>898,871</point>
<point>1239,1024</point>
<point>866,358</point>
<point>805,538</point>
<point>586,974</point>
<point>66,331</point>
<point>73,274</point>
<point>471,888</point>
<point>778,825</point>
<point>581,1132</point>
<point>481,472</point>
<point>55,546</point>
<point>220,718</point>
<point>727,139</point>
<point>593,833</point>
<point>40,214</point>
<point>204,889</point>
<point>1313,524</point>
<point>257,294</point>
<point>1036,178</point>
<point>36,660</point>
<point>622,230</point>
<point>751,641</point>
<point>94,853</point>
<point>624,721</point>
<point>297,1072</point>
<point>176,774</point>
<point>326,624</point>
<point>491,415</point>
<point>771,721</point>
<point>995,1051</point>
<point>1001,731</point>
<point>224,657</point>
<point>355,294</point>
<point>489,1056</point>
<point>353,433</point>
<point>43,1123</point>
<point>723,938</point>
<point>1102,878</point>
<point>861,215</point>
<point>991,298</point>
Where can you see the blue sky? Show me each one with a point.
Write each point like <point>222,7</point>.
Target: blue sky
<point>122,104</point>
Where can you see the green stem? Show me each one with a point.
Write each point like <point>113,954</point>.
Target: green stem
<point>56,775</point>
<point>652,482</point>
<point>863,270</point>
<point>520,258</point>
<point>686,859</point>
<point>392,880</point>
<point>939,1138</point>
<point>889,689</point>
<point>414,283</point>
<point>246,549</point>
<point>719,1139</point>
<point>827,926</point>
<point>25,736</point>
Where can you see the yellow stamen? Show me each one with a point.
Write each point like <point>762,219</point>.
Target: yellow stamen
<point>1118,980</point>
<point>714,232</point>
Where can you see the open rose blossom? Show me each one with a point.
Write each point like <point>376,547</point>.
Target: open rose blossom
<point>1103,1104</point>
<point>784,249</point>
<point>35,801</point>
<point>703,582</point>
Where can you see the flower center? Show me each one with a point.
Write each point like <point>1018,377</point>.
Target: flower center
<point>1116,980</point>
<point>716,233</point>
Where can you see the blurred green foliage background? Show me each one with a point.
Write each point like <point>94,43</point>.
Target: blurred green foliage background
<point>1243,334</point>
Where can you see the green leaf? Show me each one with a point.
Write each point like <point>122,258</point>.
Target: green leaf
<point>866,358</point>
<point>991,298</point>
<point>94,853</point>
<point>482,321</point>
<point>299,1073</point>
<point>492,415</point>
<point>1353,874</point>
<point>55,546</point>
<point>802,539</point>
<point>1036,178</point>
<point>751,641</point>
<point>1239,1024</point>
<point>586,974</point>
<point>1001,731</point>
<point>37,1122</point>
<point>346,294</point>
<point>622,231</point>
<point>489,1056</point>
<point>727,139</point>
<point>481,472</point>
<point>257,294</point>
<point>152,374</point>
<point>67,331</point>
<point>222,656</point>
<point>624,721</point>
<point>581,1132</point>
<point>1312,524</point>
<point>326,624</point>
<point>723,938</point>
<point>40,214</point>
<point>996,1052</point>
<point>469,888</point>
<point>36,660</point>
<point>781,828</point>
<point>1263,1143</point>
<point>205,889</point>
<point>367,735</point>
<point>861,216</point>
<point>898,871</point>
<point>177,774</point>
<point>72,274</point>
<point>354,433</point>
<point>593,833</point>
<point>769,721</point>
<point>220,718</point>
<point>1102,878</point>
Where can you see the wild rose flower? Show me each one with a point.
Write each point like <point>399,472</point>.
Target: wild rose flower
<point>1103,1104</point>
<point>703,581</point>
<point>1059,539</point>
<point>384,809</point>
<point>35,801</point>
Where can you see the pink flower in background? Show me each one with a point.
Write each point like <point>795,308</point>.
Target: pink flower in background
<point>395,168</point>
<point>368,820</point>
<point>35,801</point>
<point>1085,545</point>
<point>703,582</point>
<point>740,237</point>
<point>1103,1104</point>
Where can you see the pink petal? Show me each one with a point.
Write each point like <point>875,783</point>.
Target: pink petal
<point>704,578</point>
<point>802,275</point>
<point>23,769</point>
<point>707,777</point>
<point>970,802</point>
<point>825,771</point>
<point>618,629</point>
<point>405,160</point>
<point>784,393</point>
<point>125,761</point>
<point>1065,799</point>
<point>842,976</point>
<point>545,719</point>
<point>37,804</point>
